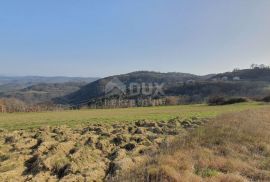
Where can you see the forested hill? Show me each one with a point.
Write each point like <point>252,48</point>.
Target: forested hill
<point>37,89</point>
<point>247,82</point>
<point>96,90</point>
<point>43,92</point>
<point>255,74</point>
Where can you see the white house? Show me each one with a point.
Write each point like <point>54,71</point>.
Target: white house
<point>236,78</point>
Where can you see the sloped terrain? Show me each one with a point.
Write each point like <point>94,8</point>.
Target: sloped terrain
<point>256,74</point>
<point>230,148</point>
<point>43,92</point>
<point>189,88</point>
<point>37,89</point>
<point>96,152</point>
<point>96,89</point>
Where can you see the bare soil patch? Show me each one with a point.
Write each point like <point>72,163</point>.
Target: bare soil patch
<point>96,152</point>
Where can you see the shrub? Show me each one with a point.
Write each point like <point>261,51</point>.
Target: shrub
<point>217,100</point>
<point>266,99</point>
<point>235,100</point>
<point>222,101</point>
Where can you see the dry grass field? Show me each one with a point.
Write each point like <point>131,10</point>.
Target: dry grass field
<point>230,148</point>
<point>176,143</point>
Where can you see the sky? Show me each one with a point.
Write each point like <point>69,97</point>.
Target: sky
<point>102,38</point>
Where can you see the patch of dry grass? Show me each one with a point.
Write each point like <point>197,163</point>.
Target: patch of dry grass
<point>231,148</point>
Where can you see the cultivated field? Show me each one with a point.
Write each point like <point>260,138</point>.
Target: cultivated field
<point>15,121</point>
<point>174,143</point>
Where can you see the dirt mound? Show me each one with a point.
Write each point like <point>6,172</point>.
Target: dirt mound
<point>91,153</point>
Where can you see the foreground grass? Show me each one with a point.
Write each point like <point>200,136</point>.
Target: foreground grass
<point>231,148</point>
<point>16,121</point>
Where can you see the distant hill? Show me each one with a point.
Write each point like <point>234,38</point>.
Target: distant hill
<point>35,89</point>
<point>96,89</point>
<point>43,92</point>
<point>246,83</point>
<point>256,74</point>
<point>188,88</point>
<point>42,79</point>
<point>9,83</point>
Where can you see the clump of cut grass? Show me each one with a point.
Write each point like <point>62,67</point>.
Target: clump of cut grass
<point>7,168</point>
<point>61,167</point>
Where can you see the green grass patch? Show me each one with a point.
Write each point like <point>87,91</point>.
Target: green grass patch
<point>206,173</point>
<point>14,121</point>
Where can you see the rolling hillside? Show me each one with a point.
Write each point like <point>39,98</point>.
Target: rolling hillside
<point>256,74</point>
<point>11,83</point>
<point>188,88</point>
<point>241,83</point>
<point>34,89</point>
<point>96,89</point>
<point>43,92</point>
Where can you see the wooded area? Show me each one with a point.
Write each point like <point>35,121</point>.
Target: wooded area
<point>10,105</point>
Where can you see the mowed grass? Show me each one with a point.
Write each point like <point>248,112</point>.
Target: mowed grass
<point>14,121</point>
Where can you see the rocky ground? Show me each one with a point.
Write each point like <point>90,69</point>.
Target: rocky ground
<point>96,152</point>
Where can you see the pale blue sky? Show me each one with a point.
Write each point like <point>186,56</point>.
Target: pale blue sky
<point>101,38</point>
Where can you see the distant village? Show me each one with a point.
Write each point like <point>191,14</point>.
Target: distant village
<point>237,78</point>
<point>225,78</point>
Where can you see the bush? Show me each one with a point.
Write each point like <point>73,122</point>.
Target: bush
<point>216,101</point>
<point>235,100</point>
<point>266,99</point>
<point>222,101</point>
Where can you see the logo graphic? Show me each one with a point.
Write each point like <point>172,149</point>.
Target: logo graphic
<point>115,87</point>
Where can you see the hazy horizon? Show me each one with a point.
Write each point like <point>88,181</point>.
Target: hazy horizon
<point>99,39</point>
<point>25,75</point>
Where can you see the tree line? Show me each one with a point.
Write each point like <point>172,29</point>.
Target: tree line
<point>10,105</point>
